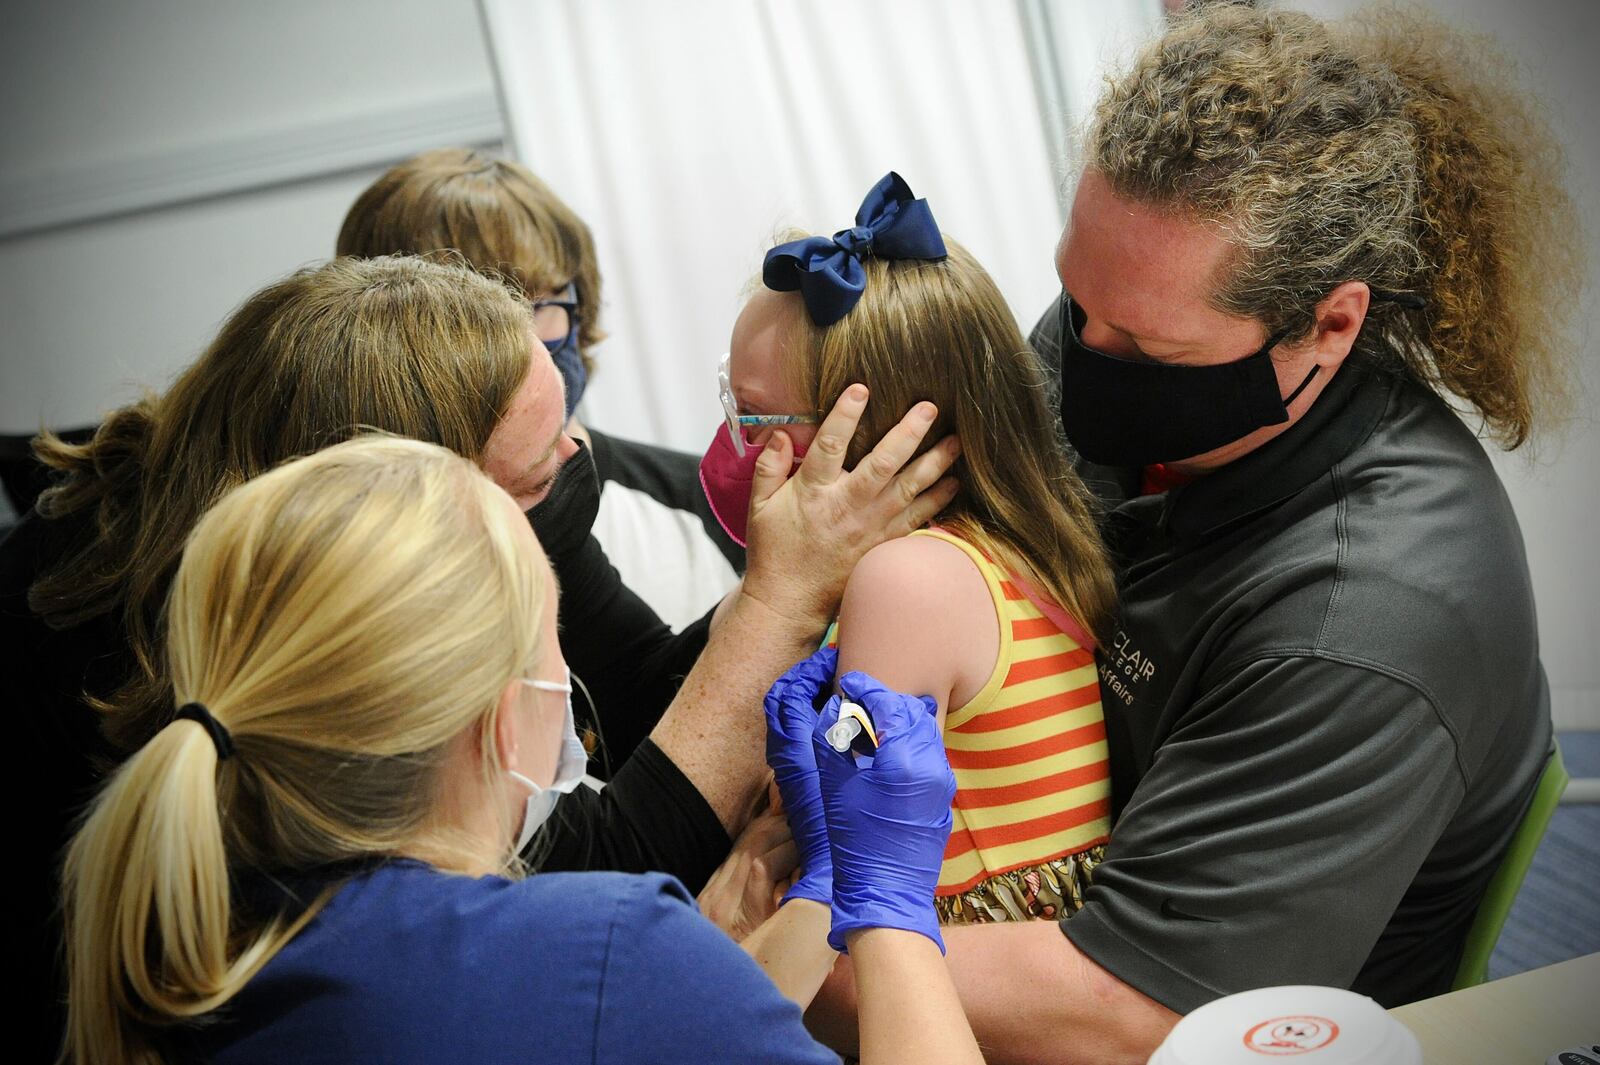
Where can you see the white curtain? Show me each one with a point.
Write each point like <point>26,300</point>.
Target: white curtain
<point>687,135</point>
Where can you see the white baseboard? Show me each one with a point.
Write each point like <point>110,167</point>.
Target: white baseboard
<point>1581,791</point>
<point>228,167</point>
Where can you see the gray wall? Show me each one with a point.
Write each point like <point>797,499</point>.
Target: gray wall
<point>196,151</point>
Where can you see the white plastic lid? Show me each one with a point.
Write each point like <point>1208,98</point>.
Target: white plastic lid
<point>1315,1025</point>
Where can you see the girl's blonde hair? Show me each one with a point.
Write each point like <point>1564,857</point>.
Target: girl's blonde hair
<point>421,349</point>
<point>346,617</point>
<point>941,331</point>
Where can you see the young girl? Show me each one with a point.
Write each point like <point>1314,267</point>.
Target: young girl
<point>993,611</point>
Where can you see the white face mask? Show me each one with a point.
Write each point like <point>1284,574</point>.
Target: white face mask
<point>570,767</point>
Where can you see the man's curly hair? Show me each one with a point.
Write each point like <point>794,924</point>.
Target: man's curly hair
<point>1388,150</point>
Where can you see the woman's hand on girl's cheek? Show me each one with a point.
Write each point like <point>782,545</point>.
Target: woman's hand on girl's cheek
<point>808,531</point>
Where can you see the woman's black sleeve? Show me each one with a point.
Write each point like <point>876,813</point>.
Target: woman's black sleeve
<point>648,819</point>
<point>630,661</point>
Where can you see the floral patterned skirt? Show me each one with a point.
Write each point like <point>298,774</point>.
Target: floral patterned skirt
<point>1048,891</point>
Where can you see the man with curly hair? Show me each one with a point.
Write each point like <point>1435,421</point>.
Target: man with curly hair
<point>1297,252</point>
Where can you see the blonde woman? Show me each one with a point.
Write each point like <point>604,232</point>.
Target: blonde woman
<point>316,858</point>
<point>440,353</point>
<point>994,612</point>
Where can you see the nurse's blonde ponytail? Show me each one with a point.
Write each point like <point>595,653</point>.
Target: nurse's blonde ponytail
<point>148,904</point>
<point>345,618</point>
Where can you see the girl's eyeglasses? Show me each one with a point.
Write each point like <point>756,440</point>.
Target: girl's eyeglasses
<point>737,421</point>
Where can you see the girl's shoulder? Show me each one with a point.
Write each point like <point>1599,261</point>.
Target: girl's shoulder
<point>929,560</point>
<point>922,612</point>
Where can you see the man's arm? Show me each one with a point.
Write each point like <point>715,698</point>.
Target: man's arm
<point>1030,996</point>
<point>1271,841</point>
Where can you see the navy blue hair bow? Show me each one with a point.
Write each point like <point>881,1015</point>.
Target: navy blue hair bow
<point>892,224</point>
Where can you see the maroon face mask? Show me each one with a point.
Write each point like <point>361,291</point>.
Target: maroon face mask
<point>728,479</point>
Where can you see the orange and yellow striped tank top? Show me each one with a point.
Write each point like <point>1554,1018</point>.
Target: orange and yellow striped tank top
<point>1029,750</point>
<point>1033,784</point>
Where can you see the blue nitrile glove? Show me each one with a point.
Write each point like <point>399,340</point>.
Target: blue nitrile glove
<point>889,822</point>
<point>791,715</point>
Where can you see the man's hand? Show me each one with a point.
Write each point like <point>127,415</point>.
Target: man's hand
<point>808,531</point>
<point>745,889</point>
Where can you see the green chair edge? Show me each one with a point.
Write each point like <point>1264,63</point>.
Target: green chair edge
<point>1507,880</point>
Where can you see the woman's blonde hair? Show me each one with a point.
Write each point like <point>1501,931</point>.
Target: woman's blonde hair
<point>941,331</point>
<point>346,617</point>
<point>494,212</point>
<point>421,349</point>
<point>1388,149</point>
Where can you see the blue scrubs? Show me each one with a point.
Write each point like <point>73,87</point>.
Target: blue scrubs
<point>408,964</point>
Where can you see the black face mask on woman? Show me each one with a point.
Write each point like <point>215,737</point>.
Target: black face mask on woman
<point>562,519</point>
<point>1118,412</point>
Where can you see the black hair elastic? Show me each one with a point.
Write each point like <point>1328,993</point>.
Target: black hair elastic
<point>214,728</point>
<point>1409,300</point>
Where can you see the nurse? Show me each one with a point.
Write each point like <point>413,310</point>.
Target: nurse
<point>1294,248</point>
<point>440,353</point>
<point>316,859</point>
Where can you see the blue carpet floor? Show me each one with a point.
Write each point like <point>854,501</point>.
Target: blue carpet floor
<point>1557,912</point>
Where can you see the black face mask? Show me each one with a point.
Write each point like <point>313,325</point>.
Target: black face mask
<point>1118,412</point>
<point>563,519</point>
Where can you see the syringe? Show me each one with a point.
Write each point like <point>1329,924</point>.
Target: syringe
<point>854,728</point>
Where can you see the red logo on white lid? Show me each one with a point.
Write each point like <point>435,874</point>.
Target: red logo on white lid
<point>1291,1035</point>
